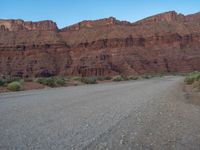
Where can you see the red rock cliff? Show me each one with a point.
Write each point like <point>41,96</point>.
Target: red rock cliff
<point>164,43</point>
<point>18,25</point>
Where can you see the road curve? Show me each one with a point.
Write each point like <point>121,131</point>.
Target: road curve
<point>147,114</point>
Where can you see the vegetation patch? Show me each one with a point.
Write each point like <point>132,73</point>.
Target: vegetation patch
<point>52,81</point>
<point>89,80</point>
<point>46,81</point>
<point>5,80</point>
<point>104,78</point>
<point>60,81</point>
<point>16,83</point>
<point>14,86</point>
<point>118,78</point>
<point>147,76</point>
<point>76,78</point>
<point>133,77</point>
<point>10,79</point>
<point>2,82</point>
<point>192,77</point>
<point>108,78</point>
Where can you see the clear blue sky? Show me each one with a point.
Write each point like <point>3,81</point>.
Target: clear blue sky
<point>67,12</point>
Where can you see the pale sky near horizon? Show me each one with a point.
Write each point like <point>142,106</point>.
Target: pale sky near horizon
<point>67,12</point>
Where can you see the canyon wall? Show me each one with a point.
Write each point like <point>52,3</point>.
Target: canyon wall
<point>164,43</point>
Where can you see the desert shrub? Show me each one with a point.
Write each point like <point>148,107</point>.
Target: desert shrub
<point>118,78</point>
<point>125,78</point>
<point>189,80</point>
<point>52,81</point>
<point>76,78</point>
<point>60,81</point>
<point>47,81</point>
<point>104,78</point>
<point>14,86</point>
<point>41,80</point>
<point>89,80</point>
<point>146,76</point>
<point>192,77</point>
<point>133,77</point>
<point>100,78</point>
<point>108,78</point>
<point>10,79</point>
<point>159,75</point>
<point>2,82</point>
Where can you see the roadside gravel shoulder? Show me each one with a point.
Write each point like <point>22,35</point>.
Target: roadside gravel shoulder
<point>165,122</point>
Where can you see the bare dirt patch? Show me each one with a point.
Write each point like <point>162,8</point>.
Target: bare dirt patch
<point>3,89</point>
<point>31,86</point>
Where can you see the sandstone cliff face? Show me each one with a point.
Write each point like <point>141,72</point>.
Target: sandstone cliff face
<point>95,24</point>
<point>164,43</point>
<point>18,25</point>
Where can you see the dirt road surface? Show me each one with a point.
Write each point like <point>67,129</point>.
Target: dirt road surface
<point>149,114</point>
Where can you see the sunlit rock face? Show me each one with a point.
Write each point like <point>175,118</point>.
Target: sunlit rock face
<point>164,43</point>
<point>20,25</point>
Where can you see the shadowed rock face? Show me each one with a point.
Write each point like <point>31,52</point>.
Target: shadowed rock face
<point>164,43</point>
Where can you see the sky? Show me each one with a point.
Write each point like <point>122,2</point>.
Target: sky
<point>68,12</point>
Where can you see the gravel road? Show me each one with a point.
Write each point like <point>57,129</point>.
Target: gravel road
<point>149,114</point>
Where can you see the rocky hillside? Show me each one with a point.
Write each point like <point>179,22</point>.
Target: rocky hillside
<point>164,43</point>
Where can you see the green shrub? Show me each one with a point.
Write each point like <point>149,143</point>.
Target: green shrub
<point>10,79</point>
<point>100,78</point>
<point>104,78</point>
<point>76,78</point>
<point>118,78</point>
<point>14,86</point>
<point>125,78</point>
<point>108,78</point>
<point>2,82</point>
<point>47,81</point>
<point>189,80</point>
<point>192,77</point>
<point>52,81</point>
<point>133,77</point>
<point>159,75</point>
<point>89,80</point>
<point>60,81</point>
<point>41,80</point>
<point>146,76</point>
